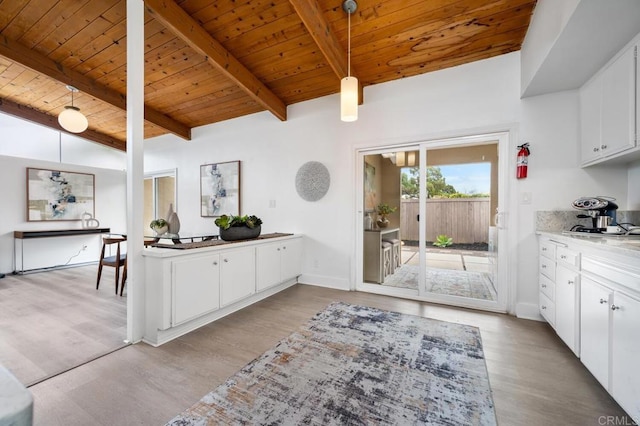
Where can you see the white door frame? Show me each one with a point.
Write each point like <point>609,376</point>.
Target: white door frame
<point>506,255</point>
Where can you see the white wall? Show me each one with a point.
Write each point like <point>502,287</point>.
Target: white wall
<point>110,209</point>
<point>24,139</point>
<point>451,102</point>
<point>483,94</point>
<point>550,123</point>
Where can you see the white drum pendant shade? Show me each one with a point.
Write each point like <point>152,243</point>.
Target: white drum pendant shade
<point>349,99</point>
<point>72,120</point>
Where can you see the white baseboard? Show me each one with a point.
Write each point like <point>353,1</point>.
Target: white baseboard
<point>324,281</point>
<point>528,311</point>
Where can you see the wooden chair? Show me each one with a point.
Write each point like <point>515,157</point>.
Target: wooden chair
<point>115,261</point>
<point>147,242</point>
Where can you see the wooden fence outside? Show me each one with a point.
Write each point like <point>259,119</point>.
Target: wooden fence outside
<point>466,220</point>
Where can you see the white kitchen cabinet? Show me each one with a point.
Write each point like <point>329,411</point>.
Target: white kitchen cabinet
<point>595,300</point>
<point>195,287</point>
<point>237,274</point>
<point>186,289</point>
<point>625,353</point>
<point>608,110</point>
<point>590,120</point>
<point>567,307</point>
<point>278,262</point>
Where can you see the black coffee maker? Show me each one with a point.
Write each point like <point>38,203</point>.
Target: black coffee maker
<point>601,210</point>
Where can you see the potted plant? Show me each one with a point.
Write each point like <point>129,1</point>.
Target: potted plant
<point>233,228</point>
<point>383,210</point>
<point>159,226</point>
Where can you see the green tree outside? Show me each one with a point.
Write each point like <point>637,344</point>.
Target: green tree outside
<point>437,186</point>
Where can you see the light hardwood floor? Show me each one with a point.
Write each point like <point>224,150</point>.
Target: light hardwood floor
<point>535,378</point>
<point>51,321</point>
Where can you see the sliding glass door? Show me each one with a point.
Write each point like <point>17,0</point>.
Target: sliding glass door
<point>429,215</point>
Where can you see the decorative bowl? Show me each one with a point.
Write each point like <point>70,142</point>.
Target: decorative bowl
<point>236,233</point>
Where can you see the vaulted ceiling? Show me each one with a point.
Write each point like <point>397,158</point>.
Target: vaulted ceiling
<point>209,61</point>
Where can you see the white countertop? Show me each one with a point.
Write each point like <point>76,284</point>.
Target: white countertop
<point>616,244</point>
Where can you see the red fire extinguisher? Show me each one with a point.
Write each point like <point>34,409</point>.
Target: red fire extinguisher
<point>522,161</point>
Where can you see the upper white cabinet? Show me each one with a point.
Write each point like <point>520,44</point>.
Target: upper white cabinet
<point>608,110</point>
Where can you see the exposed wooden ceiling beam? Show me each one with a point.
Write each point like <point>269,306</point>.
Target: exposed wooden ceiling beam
<point>174,18</point>
<point>16,52</point>
<point>311,15</point>
<point>47,120</point>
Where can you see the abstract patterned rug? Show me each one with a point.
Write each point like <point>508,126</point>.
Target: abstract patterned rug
<point>476,285</point>
<point>357,365</point>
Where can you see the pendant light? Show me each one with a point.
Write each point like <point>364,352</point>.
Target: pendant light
<point>71,119</point>
<point>349,84</point>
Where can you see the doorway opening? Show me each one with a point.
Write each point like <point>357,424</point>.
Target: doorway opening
<point>440,200</point>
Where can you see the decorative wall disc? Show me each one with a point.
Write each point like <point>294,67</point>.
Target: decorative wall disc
<point>312,181</point>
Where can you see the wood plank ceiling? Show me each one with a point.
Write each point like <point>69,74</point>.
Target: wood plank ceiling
<point>209,61</point>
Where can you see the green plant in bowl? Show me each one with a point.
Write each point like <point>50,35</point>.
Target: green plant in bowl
<point>239,227</point>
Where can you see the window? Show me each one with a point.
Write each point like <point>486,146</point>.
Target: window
<point>159,195</point>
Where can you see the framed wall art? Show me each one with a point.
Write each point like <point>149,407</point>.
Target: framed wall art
<point>59,195</point>
<point>220,189</point>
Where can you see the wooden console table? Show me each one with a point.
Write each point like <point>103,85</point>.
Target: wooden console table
<point>25,235</point>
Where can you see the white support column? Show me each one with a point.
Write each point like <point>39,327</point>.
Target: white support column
<point>135,170</point>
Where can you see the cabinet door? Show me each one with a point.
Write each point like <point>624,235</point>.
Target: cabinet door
<point>594,328</point>
<point>590,104</point>
<point>267,265</point>
<point>625,380</point>
<point>567,310</point>
<point>195,287</point>
<point>237,274</point>
<point>618,105</point>
<point>291,259</point>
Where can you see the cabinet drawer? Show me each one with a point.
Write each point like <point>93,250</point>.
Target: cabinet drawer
<point>547,249</point>
<point>568,256</point>
<point>547,287</point>
<point>548,309</point>
<point>548,268</point>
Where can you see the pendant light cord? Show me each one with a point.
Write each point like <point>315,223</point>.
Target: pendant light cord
<point>349,46</point>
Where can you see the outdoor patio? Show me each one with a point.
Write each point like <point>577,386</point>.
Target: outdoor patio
<point>463,273</point>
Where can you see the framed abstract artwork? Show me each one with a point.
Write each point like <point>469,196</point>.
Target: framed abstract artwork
<point>59,195</point>
<point>220,189</point>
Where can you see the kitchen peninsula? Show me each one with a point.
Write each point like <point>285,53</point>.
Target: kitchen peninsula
<point>187,287</point>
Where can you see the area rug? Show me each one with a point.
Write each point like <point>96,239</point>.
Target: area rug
<point>355,365</point>
<point>476,285</point>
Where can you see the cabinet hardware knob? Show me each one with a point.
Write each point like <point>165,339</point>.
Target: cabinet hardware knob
<point>544,286</point>
<point>278,248</point>
<point>284,248</point>
<point>544,266</point>
<point>562,256</point>
<point>543,307</point>
<point>569,281</point>
<point>544,249</point>
<point>215,263</point>
<point>603,147</point>
<point>614,307</point>
<point>596,149</point>
<point>226,260</point>
<point>603,301</point>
